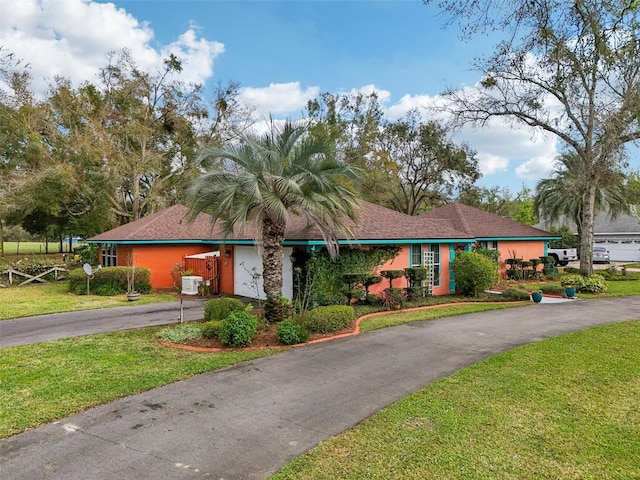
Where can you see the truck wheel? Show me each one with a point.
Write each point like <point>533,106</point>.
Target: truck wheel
<point>555,259</point>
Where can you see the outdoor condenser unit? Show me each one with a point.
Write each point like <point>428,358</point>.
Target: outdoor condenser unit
<point>190,285</point>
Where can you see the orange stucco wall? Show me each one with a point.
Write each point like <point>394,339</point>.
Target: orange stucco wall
<point>401,261</point>
<point>526,250</point>
<point>160,259</point>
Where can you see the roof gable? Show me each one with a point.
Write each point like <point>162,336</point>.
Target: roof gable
<point>481,224</point>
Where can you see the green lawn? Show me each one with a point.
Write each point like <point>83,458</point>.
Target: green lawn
<point>564,408</point>
<point>54,298</point>
<point>40,383</point>
<point>26,248</point>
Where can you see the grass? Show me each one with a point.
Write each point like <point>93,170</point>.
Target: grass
<point>37,387</point>
<point>54,298</point>
<point>400,317</point>
<point>26,248</point>
<point>563,408</point>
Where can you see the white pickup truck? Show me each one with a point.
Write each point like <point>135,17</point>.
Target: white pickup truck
<point>562,256</point>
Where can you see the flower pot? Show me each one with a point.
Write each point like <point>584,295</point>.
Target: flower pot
<point>570,292</point>
<point>536,297</point>
<point>132,297</point>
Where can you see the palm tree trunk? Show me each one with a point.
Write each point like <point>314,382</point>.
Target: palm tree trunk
<point>272,238</point>
<point>586,235</point>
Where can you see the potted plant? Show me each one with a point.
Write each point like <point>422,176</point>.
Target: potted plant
<point>536,296</point>
<point>571,283</point>
<point>132,294</point>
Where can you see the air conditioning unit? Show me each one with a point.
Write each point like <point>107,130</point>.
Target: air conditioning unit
<point>190,285</point>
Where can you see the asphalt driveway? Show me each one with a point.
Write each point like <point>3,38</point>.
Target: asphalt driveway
<point>247,421</point>
<point>42,328</point>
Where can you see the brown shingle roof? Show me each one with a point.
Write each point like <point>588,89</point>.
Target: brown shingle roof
<point>374,223</point>
<point>481,224</point>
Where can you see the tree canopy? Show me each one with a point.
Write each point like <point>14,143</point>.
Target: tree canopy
<point>568,69</point>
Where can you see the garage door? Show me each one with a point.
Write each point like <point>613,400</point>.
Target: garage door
<point>622,251</point>
<point>247,269</point>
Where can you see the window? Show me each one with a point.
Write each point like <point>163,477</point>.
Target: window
<point>488,245</point>
<point>109,255</point>
<point>434,249</point>
<point>416,255</point>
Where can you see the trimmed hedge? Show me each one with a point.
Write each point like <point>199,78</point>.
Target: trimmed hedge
<point>328,319</point>
<point>108,281</point>
<point>211,329</point>
<point>290,333</point>
<point>515,294</point>
<point>474,273</point>
<point>239,328</point>
<point>220,308</point>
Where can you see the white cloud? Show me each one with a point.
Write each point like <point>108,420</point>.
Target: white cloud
<point>498,145</point>
<point>71,38</point>
<point>536,168</point>
<point>491,164</point>
<point>278,98</point>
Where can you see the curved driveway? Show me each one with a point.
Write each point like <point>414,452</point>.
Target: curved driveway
<point>247,421</point>
<point>42,328</point>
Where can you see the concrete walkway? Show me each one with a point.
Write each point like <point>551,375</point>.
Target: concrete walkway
<point>247,421</point>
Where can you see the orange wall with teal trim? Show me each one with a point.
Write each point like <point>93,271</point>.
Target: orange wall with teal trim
<point>524,249</point>
<point>401,261</point>
<point>160,259</point>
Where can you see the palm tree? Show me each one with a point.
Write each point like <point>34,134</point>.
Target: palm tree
<point>267,178</point>
<point>562,196</point>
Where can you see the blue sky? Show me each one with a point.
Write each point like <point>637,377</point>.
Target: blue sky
<point>283,53</point>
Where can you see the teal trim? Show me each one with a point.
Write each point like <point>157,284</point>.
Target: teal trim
<point>173,242</point>
<point>517,238</point>
<point>399,241</point>
<point>452,276</point>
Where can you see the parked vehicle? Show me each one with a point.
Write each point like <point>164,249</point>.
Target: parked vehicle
<point>600,255</point>
<point>562,256</point>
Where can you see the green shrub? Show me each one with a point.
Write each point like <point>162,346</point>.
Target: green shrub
<point>328,319</point>
<point>515,294</point>
<point>594,284</point>
<point>572,270</point>
<point>180,333</point>
<point>220,308</point>
<point>105,289</point>
<point>551,289</point>
<point>211,329</point>
<point>113,277</point>
<point>239,328</point>
<point>474,273</point>
<point>291,333</point>
<point>572,280</point>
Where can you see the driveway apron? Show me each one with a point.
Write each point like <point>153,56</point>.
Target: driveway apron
<point>247,421</point>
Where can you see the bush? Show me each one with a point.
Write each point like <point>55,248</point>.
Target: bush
<point>239,328</point>
<point>515,294</point>
<point>575,281</point>
<point>551,289</point>
<point>220,308</point>
<point>572,270</point>
<point>474,273</point>
<point>594,284</point>
<point>112,277</point>
<point>180,333</point>
<point>328,319</point>
<point>211,329</point>
<point>291,333</point>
